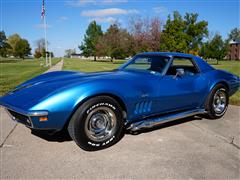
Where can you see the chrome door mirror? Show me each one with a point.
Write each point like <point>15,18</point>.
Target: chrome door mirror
<point>179,72</point>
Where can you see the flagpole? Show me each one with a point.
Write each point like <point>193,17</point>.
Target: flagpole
<point>43,16</point>
<point>45,33</point>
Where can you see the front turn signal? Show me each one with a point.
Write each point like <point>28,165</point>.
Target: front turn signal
<point>43,118</point>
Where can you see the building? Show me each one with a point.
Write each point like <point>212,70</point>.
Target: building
<point>82,57</point>
<point>75,55</point>
<point>234,50</point>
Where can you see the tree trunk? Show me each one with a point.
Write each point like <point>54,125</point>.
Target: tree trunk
<point>95,58</point>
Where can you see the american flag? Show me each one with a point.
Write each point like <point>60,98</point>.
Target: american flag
<point>43,10</point>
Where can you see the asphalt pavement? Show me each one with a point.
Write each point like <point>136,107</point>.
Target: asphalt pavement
<point>185,149</point>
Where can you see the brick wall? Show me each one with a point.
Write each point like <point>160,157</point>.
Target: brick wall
<point>234,52</point>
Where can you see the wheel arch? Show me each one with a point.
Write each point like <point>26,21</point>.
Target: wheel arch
<point>115,97</point>
<point>212,87</point>
<point>220,82</point>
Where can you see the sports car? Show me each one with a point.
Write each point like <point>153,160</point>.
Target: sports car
<point>97,108</point>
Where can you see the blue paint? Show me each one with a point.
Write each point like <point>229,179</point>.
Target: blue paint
<point>143,93</point>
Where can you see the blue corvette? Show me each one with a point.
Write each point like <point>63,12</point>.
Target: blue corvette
<point>97,108</point>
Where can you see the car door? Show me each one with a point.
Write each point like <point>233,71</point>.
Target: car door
<point>181,91</point>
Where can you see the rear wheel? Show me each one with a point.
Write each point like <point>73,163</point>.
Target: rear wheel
<point>97,124</point>
<point>217,102</point>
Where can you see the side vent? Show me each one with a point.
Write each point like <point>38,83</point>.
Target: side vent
<point>143,107</point>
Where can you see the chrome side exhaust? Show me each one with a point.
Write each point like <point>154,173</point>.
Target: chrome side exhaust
<point>151,122</point>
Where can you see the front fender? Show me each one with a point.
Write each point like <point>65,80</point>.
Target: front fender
<point>63,103</point>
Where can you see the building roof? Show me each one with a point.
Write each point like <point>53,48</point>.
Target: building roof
<point>75,54</point>
<point>235,41</point>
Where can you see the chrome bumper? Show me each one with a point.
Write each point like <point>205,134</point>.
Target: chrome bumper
<point>22,116</point>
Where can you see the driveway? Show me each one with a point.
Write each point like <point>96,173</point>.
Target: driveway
<point>191,148</point>
<point>185,149</point>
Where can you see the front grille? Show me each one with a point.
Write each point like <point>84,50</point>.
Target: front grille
<point>20,118</point>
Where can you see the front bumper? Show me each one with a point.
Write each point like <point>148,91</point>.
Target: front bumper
<point>28,118</point>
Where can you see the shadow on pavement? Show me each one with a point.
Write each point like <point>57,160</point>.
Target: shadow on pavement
<point>165,125</point>
<point>60,136</point>
<point>63,135</point>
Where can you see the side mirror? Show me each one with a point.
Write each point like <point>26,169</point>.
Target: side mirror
<point>179,72</point>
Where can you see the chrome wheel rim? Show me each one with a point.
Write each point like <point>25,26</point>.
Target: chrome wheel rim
<point>219,101</point>
<point>100,124</point>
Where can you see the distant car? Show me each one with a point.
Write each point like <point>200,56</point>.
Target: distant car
<point>97,108</point>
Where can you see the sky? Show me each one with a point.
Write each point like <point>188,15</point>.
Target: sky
<point>67,20</point>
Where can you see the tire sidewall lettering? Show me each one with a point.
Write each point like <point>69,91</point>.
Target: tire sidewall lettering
<point>101,144</point>
<point>100,104</point>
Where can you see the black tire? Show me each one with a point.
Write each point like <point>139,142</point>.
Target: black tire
<point>212,113</point>
<point>87,119</point>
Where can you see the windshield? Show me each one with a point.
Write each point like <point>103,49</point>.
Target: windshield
<point>147,63</point>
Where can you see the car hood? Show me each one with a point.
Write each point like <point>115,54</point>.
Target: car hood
<point>60,79</point>
<point>33,91</point>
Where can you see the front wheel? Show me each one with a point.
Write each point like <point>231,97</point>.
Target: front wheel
<point>97,124</point>
<point>217,102</point>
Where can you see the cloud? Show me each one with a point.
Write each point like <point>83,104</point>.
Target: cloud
<point>113,1</point>
<point>41,26</point>
<point>63,18</point>
<point>78,3</point>
<point>160,10</point>
<point>107,12</point>
<point>104,19</point>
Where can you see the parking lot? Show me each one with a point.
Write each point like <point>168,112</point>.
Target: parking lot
<point>185,149</point>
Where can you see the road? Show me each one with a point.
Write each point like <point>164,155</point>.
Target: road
<point>185,149</point>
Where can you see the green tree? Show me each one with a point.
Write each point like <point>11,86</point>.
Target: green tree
<point>37,54</point>
<point>216,48</point>
<point>174,37</point>
<point>22,48</point>
<point>234,34</point>
<point>12,41</point>
<point>183,34</point>
<point>69,52</point>
<point>3,44</point>
<point>195,31</point>
<point>115,43</point>
<point>93,33</point>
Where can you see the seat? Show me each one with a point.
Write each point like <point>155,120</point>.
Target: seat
<point>157,65</point>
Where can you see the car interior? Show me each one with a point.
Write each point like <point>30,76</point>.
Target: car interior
<point>158,64</point>
<point>184,64</point>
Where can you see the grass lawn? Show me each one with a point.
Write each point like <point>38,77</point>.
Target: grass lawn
<point>233,67</point>
<point>91,66</point>
<point>15,71</point>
